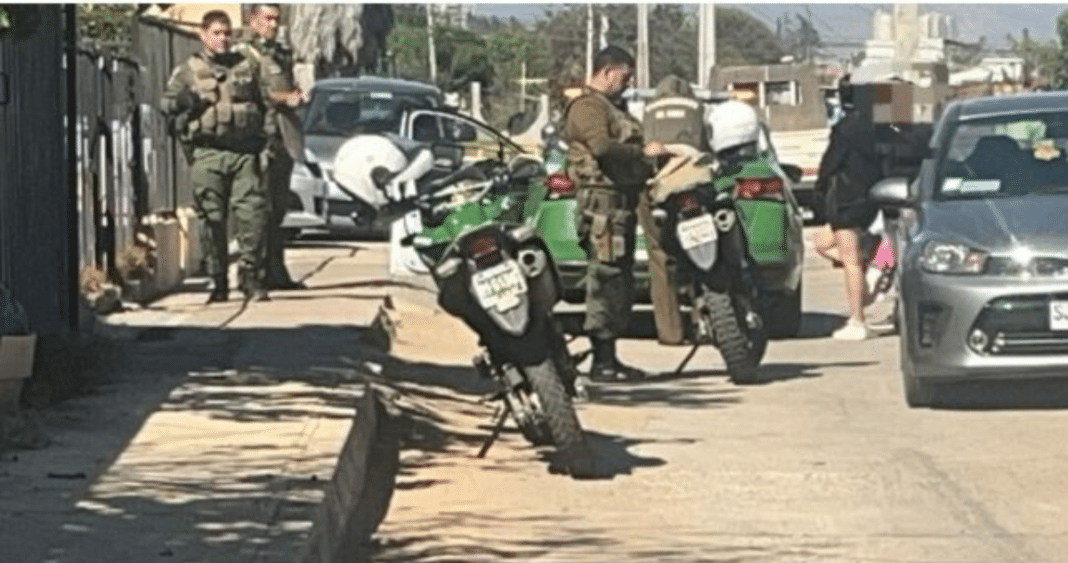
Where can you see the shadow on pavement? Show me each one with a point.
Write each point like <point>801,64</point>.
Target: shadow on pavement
<point>522,535</point>
<point>1024,394</point>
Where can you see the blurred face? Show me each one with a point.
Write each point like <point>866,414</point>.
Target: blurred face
<point>264,22</point>
<point>216,38</point>
<point>617,78</point>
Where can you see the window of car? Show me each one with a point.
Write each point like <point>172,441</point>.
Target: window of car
<point>1005,156</point>
<point>459,138</point>
<point>344,113</point>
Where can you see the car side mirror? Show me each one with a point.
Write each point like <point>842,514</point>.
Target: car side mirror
<point>892,192</point>
<point>465,133</point>
<point>793,172</point>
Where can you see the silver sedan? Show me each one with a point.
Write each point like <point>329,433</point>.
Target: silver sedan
<point>984,260</point>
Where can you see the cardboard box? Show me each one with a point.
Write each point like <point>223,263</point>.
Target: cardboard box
<point>16,364</point>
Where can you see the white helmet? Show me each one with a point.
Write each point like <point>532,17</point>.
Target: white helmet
<point>362,160</point>
<point>733,123</point>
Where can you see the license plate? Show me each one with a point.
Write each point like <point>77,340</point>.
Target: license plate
<point>697,231</point>
<point>1058,315</point>
<point>500,287</point>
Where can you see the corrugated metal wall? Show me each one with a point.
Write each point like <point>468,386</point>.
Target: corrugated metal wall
<point>159,47</point>
<point>37,257</point>
<point>110,180</point>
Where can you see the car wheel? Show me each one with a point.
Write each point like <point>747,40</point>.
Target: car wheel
<point>783,313</point>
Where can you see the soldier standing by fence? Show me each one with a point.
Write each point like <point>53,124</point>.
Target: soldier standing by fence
<point>215,100</point>
<point>285,141</point>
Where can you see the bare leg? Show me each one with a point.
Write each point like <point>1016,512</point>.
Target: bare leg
<point>826,245</point>
<point>848,243</point>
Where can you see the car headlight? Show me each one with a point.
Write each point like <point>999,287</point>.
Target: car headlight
<point>951,258</point>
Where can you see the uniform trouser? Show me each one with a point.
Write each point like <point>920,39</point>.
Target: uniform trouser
<point>606,227</point>
<point>662,280</point>
<point>279,169</point>
<point>227,182</point>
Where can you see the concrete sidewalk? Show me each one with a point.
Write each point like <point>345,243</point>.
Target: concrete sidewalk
<point>214,441</point>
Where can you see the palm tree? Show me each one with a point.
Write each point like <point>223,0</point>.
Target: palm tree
<point>340,39</point>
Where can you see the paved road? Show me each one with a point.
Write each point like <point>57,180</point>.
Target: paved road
<point>825,463</point>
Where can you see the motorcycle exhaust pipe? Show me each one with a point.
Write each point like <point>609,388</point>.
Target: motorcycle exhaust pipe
<point>725,220</point>
<point>533,261</point>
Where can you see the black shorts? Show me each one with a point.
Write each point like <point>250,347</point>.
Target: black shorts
<point>853,216</point>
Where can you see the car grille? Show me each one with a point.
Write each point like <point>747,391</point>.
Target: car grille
<point>1020,325</point>
<point>1042,267</point>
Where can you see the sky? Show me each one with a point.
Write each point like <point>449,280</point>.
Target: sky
<point>852,21</point>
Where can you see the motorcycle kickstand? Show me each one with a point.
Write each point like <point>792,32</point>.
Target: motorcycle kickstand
<point>686,360</point>
<point>496,432</point>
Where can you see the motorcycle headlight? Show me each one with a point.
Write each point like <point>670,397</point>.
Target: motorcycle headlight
<point>950,258</point>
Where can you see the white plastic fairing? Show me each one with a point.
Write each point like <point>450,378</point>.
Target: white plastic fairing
<point>355,160</point>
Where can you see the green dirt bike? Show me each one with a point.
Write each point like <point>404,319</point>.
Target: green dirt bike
<point>496,274</point>
<point>701,230</point>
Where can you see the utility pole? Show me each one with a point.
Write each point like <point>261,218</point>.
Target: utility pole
<point>643,45</point>
<point>706,45</point>
<point>589,41</point>
<point>430,43</point>
<point>523,87</point>
<point>603,42</point>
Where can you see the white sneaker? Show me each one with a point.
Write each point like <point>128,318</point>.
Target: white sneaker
<point>852,331</point>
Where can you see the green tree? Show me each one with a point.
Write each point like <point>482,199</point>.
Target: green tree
<point>798,37</point>
<point>107,23</point>
<point>1043,58</point>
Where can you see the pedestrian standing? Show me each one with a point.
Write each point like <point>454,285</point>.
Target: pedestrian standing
<point>606,160</point>
<point>285,139</point>
<point>215,101</point>
<point>848,169</point>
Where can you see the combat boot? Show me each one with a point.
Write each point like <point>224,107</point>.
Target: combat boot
<point>253,288</point>
<point>220,291</point>
<point>607,367</point>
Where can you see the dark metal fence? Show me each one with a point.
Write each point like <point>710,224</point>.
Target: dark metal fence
<point>85,155</point>
<point>160,46</point>
<point>38,226</point>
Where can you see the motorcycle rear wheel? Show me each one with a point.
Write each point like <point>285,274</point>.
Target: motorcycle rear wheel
<point>740,351</point>
<point>559,416</point>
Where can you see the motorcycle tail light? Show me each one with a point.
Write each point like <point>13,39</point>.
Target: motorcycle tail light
<point>759,188</point>
<point>483,249</point>
<point>688,204</point>
<point>560,185</point>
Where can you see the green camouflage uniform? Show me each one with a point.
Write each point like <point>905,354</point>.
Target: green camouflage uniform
<point>283,140</point>
<point>605,161</point>
<point>216,103</point>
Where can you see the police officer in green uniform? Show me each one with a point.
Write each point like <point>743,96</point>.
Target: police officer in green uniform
<point>607,161</point>
<point>673,115</point>
<point>216,102</point>
<point>285,141</point>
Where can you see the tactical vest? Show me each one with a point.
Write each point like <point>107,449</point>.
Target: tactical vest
<point>276,67</point>
<point>234,120</point>
<point>582,165</point>
<point>675,119</point>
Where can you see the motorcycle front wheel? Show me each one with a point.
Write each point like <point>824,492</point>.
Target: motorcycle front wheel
<point>560,418</point>
<point>741,347</point>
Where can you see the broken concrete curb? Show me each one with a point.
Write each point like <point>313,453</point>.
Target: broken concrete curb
<point>357,498</point>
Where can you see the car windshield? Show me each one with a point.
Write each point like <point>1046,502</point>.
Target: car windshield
<point>1006,156</point>
<point>346,112</point>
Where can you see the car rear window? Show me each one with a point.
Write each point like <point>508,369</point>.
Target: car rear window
<point>345,112</point>
<point>1005,156</point>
